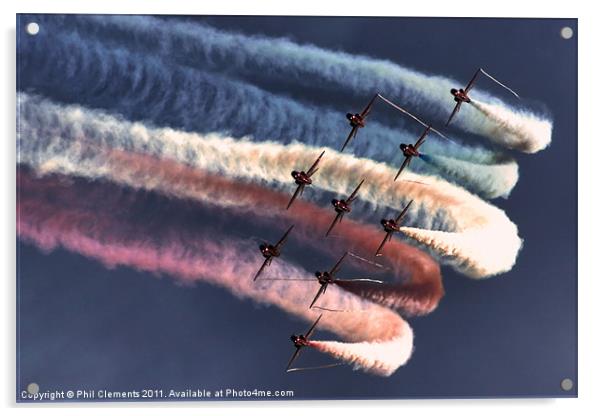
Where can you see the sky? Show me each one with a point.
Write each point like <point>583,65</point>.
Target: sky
<point>81,325</point>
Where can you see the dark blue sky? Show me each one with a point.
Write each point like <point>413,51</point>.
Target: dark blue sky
<point>83,326</point>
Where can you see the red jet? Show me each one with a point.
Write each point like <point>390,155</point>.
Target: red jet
<point>357,121</point>
<point>392,226</point>
<point>270,251</point>
<point>326,278</point>
<point>329,277</point>
<point>411,150</point>
<point>300,341</point>
<point>342,207</point>
<point>303,179</point>
<point>461,95</point>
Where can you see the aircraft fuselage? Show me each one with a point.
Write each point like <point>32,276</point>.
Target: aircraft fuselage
<point>299,341</point>
<point>409,150</point>
<point>355,120</point>
<point>268,250</point>
<point>301,178</point>
<point>389,225</point>
<point>460,95</point>
<point>340,206</point>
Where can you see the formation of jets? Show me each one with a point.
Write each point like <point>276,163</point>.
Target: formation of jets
<point>391,226</point>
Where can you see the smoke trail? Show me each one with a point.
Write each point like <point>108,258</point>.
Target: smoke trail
<point>500,177</point>
<point>50,143</point>
<point>175,180</point>
<point>146,88</point>
<point>271,59</point>
<point>101,227</point>
<point>521,129</point>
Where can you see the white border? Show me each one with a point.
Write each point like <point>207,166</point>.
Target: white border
<point>590,152</point>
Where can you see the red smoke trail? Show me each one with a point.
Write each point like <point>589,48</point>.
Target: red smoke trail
<point>101,221</point>
<point>418,293</point>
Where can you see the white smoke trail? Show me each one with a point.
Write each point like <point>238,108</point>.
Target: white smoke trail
<point>487,243</point>
<point>380,340</point>
<point>71,69</point>
<point>202,46</point>
<point>368,354</point>
<point>48,141</point>
<point>523,129</point>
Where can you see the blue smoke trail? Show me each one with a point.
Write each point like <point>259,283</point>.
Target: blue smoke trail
<point>71,69</point>
<point>280,60</point>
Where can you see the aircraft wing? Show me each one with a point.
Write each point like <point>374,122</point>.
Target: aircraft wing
<point>297,191</point>
<point>402,110</point>
<point>314,168</point>
<point>456,109</point>
<point>360,280</point>
<point>293,358</point>
<point>405,163</point>
<point>499,83</point>
<point>280,243</point>
<point>387,238</point>
<point>338,218</point>
<point>337,266</point>
<point>354,193</point>
<point>320,292</point>
<point>403,212</point>
<point>263,266</point>
<point>351,136</point>
<point>366,110</point>
<point>422,137</point>
<point>472,80</point>
<point>311,330</point>
<point>315,367</point>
